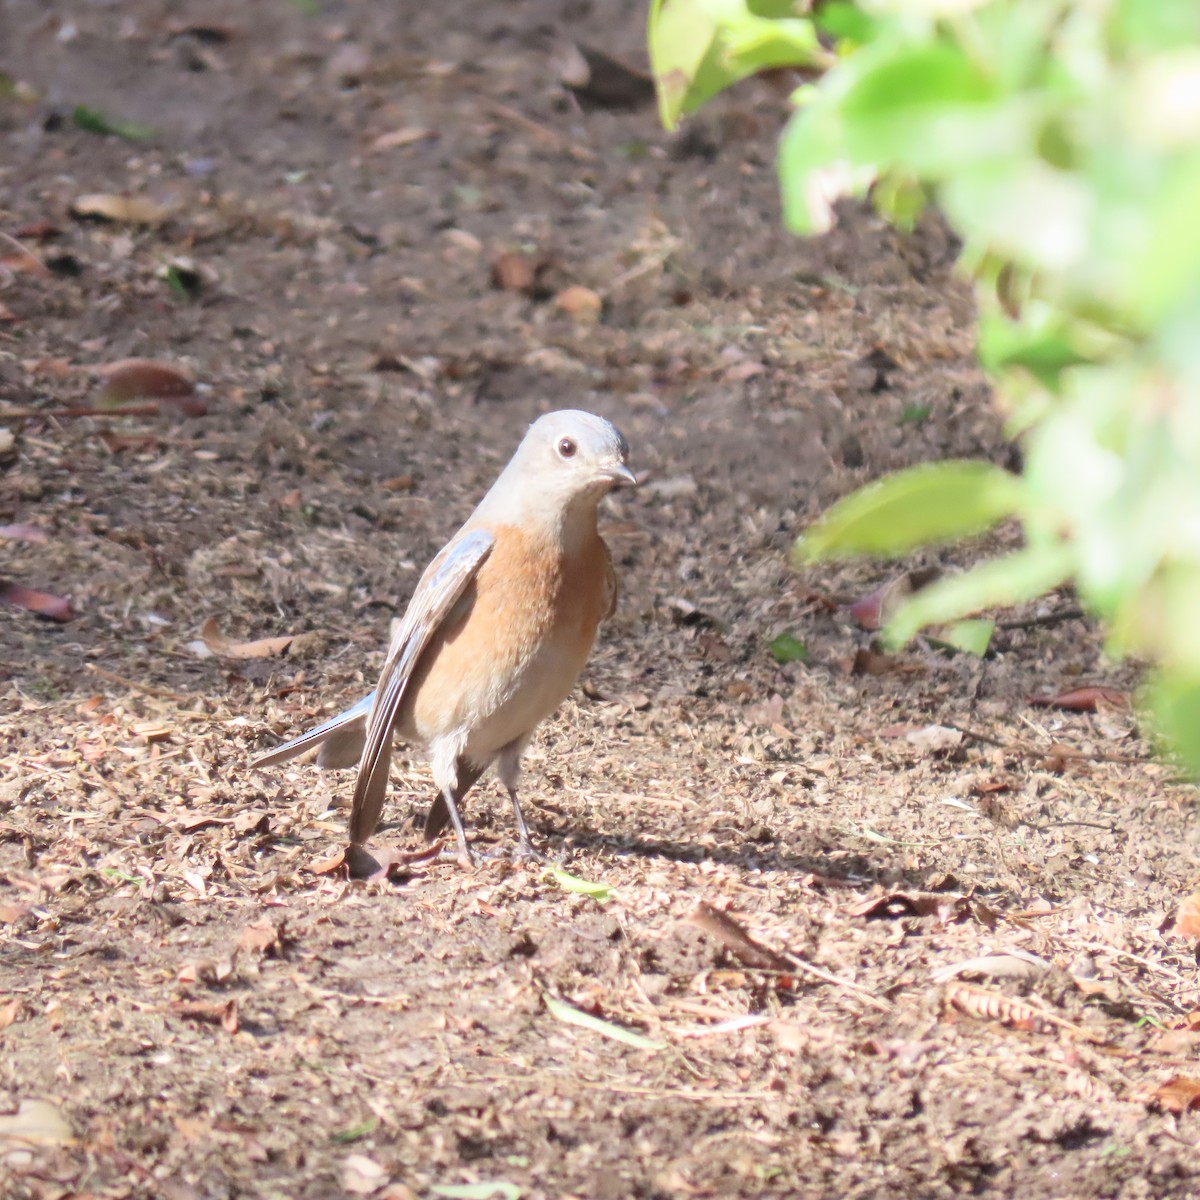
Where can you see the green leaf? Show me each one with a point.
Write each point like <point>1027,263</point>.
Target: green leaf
<point>929,109</point>
<point>788,648</point>
<point>915,414</point>
<point>583,887</point>
<point>1025,575</point>
<point>936,502</point>
<point>813,170</point>
<point>700,47</point>
<point>92,120</point>
<point>478,1191</point>
<point>354,1133</point>
<point>845,22</point>
<point>1174,698</point>
<point>971,637</point>
<point>571,1015</point>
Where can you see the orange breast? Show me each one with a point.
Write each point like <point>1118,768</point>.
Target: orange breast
<point>512,655</point>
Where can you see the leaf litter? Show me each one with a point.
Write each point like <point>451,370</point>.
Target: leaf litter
<point>404,1011</point>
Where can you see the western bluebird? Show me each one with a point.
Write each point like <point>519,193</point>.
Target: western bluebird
<point>497,631</point>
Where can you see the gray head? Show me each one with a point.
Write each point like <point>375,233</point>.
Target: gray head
<point>576,453</point>
<point>567,461</point>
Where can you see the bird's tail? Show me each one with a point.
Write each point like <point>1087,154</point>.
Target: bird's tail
<point>340,739</point>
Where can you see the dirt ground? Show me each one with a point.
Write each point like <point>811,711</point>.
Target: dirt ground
<point>200,1001</point>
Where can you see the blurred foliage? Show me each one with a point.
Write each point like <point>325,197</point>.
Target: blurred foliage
<point>1061,139</point>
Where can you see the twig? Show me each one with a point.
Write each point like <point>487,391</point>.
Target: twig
<point>113,677</point>
<point>1054,750</point>
<point>543,132</point>
<point>1053,618</point>
<point>754,954</point>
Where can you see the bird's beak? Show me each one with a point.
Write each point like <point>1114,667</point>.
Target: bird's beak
<point>622,476</point>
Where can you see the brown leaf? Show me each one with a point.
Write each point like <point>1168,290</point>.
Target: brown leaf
<point>23,262</point>
<point>1179,1094</point>
<point>513,272</point>
<point>225,647</point>
<point>873,610</point>
<point>871,662</point>
<point>131,210</point>
<point>261,938</point>
<point>326,866</point>
<point>1187,919</point>
<point>382,866</point>
<point>734,938</point>
<point>42,604</point>
<point>395,139</point>
<point>9,1012</point>
<point>579,302</point>
<point>946,906</point>
<point>134,379</point>
<point>1085,699</point>
<point>211,1012</point>
<point>38,231</point>
<point>10,913</point>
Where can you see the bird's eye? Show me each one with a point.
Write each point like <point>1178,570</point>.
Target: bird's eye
<point>567,448</point>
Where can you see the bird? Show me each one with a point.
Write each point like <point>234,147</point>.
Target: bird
<point>499,628</point>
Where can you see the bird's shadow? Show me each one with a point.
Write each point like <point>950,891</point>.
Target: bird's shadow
<point>849,870</point>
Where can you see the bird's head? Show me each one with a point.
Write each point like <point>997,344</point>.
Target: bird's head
<point>576,455</point>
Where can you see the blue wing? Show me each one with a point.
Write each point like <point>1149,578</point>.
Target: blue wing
<point>444,581</point>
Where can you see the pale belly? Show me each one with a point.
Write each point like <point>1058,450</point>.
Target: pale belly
<point>510,660</point>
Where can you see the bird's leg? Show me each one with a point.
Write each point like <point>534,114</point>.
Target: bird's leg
<point>454,777</point>
<point>464,851</point>
<point>508,767</point>
<point>526,847</point>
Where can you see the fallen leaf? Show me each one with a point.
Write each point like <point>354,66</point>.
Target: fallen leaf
<point>395,139</point>
<point>327,866</point>
<point>571,1015</point>
<point>1179,1094</point>
<point>38,231</point>
<point>224,647</point>
<point>579,302</point>
<point>733,937</point>
<point>1085,699</point>
<point>582,887</point>
<point>873,610</point>
<point>933,739</point>
<point>787,648</point>
<point>211,1012</point>
<point>23,262</point>
<point>1187,919</point>
<point>42,604</point>
<point>261,938</point>
<point>36,1123</point>
<point>9,1012</point>
<point>513,272</point>
<point>134,379</point>
<point>946,906</point>
<point>1010,964</point>
<point>491,1189</point>
<point>362,1176</point>
<point>128,210</point>
<point>92,120</point>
